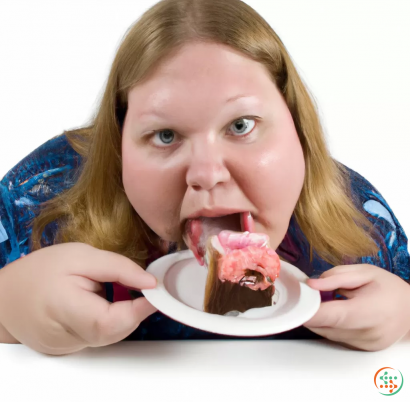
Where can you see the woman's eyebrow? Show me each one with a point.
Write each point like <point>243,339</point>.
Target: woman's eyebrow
<point>152,112</point>
<point>237,97</point>
<point>159,113</point>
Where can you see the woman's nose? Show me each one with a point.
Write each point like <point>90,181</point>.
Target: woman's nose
<point>206,168</point>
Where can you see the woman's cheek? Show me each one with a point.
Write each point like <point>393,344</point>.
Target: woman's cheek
<point>279,175</point>
<point>291,175</point>
<point>277,184</point>
<point>140,184</point>
<point>155,198</point>
<point>149,189</point>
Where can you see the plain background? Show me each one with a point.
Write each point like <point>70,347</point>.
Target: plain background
<point>353,55</point>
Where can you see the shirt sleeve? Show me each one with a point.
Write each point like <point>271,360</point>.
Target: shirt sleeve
<point>389,235</point>
<point>44,173</point>
<point>17,209</point>
<point>9,247</point>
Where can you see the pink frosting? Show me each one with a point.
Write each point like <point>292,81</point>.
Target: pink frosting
<point>247,251</point>
<point>235,240</point>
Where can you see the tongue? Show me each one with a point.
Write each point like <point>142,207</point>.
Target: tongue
<point>197,231</point>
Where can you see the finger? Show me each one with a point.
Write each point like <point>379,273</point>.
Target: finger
<point>121,319</point>
<point>346,280</point>
<point>360,339</point>
<point>333,314</point>
<point>112,267</point>
<point>341,269</point>
<point>101,323</point>
<point>337,334</point>
<point>328,315</point>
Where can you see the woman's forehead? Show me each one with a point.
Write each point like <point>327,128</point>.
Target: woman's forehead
<point>217,80</point>
<point>204,67</point>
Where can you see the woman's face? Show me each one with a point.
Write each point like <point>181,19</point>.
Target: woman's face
<point>208,133</point>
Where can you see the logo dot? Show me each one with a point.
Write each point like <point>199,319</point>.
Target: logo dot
<point>395,378</point>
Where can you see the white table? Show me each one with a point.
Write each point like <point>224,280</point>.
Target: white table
<point>212,371</point>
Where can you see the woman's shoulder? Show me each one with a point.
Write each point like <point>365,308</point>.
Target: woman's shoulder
<point>387,231</point>
<point>41,175</point>
<point>367,197</point>
<point>45,170</point>
<point>359,185</point>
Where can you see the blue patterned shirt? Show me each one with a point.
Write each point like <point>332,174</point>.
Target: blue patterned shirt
<point>51,169</point>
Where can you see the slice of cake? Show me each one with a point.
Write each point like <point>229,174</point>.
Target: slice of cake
<point>242,270</point>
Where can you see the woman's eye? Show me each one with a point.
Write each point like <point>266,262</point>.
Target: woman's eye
<point>239,128</point>
<point>164,137</point>
<point>242,126</point>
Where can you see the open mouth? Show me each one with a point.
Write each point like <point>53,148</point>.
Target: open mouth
<point>196,231</point>
<point>242,268</point>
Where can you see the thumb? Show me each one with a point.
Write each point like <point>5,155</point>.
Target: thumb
<point>107,266</point>
<point>331,314</point>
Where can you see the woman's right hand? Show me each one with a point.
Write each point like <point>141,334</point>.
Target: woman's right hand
<point>52,300</point>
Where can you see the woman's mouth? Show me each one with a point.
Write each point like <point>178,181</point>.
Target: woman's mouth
<point>196,231</point>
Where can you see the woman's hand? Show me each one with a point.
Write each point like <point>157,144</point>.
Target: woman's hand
<point>51,300</point>
<point>376,314</point>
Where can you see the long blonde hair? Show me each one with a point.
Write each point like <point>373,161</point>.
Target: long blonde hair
<point>96,210</point>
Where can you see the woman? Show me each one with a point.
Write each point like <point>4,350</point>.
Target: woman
<point>203,114</point>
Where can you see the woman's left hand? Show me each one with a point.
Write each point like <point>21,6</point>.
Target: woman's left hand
<point>376,314</point>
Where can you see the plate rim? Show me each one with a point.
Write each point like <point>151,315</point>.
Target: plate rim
<point>225,325</point>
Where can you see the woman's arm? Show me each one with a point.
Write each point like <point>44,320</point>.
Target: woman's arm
<point>377,288</point>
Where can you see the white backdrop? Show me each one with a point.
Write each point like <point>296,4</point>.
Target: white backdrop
<point>353,55</point>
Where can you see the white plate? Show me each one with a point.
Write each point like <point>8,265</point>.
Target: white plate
<point>181,288</point>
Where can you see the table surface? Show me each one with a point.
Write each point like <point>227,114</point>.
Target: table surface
<point>234,370</point>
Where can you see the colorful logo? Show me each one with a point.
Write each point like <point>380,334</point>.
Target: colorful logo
<point>388,381</point>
